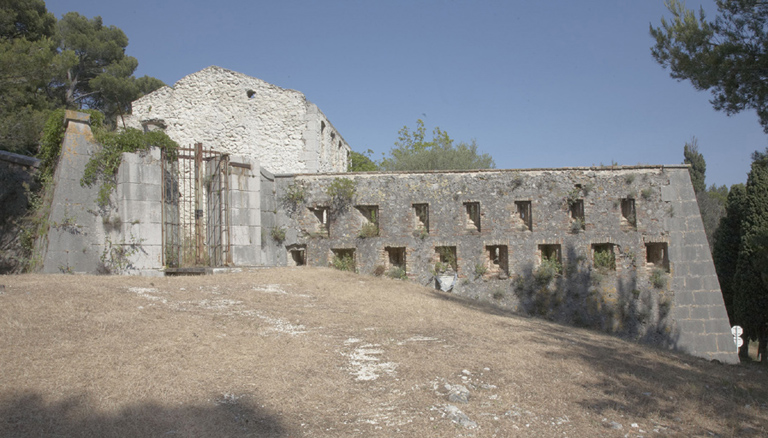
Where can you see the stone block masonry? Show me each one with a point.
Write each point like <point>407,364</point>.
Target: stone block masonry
<point>619,249</point>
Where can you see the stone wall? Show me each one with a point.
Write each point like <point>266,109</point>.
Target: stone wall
<point>621,249</point>
<point>242,115</point>
<point>128,236</point>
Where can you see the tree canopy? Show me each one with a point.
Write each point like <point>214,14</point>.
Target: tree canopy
<point>750,299</point>
<point>362,162</point>
<point>728,56</point>
<point>711,201</point>
<point>46,64</point>
<point>412,151</point>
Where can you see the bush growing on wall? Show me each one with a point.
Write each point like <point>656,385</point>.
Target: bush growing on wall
<point>104,164</point>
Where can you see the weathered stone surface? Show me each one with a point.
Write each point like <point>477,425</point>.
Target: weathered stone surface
<point>238,114</point>
<point>661,294</point>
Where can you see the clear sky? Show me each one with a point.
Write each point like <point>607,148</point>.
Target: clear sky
<point>537,84</point>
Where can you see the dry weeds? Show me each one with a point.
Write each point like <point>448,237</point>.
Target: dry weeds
<point>316,352</point>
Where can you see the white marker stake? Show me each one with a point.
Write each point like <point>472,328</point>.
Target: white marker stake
<point>737,332</point>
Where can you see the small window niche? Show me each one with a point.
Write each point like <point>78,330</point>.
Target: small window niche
<point>578,222</point>
<point>370,220</point>
<point>297,255</point>
<point>445,259</point>
<point>603,256</point>
<point>472,219</point>
<point>524,215</point>
<point>322,225</point>
<point>343,259</point>
<point>421,220</point>
<point>395,261</point>
<point>497,261</point>
<point>628,214</point>
<point>656,255</point>
<point>551,252</point>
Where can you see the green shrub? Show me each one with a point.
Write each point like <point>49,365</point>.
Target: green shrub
<point>480,270</point>
<point>278,234</point>
<point>549,269</point>
<point>343,262</point>
<point>368,230</point>
<point>397,273</point>
<point>659,278</point>
<point>104,164</point>
<point>342,191</point>
<point>295,193</point>
<point>646,193</point>
<point>577,225</point>
<point>605,260</point>
<point>447,259</point>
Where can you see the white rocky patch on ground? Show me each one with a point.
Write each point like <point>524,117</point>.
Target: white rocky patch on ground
<point>226,307</point>
<point>364,363</point>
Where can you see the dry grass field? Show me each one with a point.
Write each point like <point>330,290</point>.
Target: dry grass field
<point>321,353</point>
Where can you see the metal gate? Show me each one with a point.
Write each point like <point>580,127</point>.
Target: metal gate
<point>196,209</point>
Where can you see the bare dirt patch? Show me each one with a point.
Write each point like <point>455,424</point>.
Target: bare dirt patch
<point>317,352</point>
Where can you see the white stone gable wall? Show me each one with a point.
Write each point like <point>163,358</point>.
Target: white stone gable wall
<point>243,115</point>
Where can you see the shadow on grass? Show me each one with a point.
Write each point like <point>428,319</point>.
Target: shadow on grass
<point>665,386</point>
<point>30,414</point>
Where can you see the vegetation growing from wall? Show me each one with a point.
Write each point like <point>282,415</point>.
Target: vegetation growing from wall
<point>342,192</point>
<point>104,164</point>
<point>278,234</point>
<point>549,268</point>
<point>343,262</point>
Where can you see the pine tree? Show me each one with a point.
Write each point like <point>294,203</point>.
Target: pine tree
<point>725,251</point>
<point>750,299</point>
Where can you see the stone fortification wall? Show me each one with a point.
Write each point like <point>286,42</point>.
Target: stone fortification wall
<point>128,236</point>
<point>76,236</point>
<point>242,115</point>
<point>619,249</point>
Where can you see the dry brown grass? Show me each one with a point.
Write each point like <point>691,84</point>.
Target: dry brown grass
<point>317,352</point>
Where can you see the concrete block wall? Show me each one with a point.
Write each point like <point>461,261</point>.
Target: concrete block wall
<point>673,301</point>
<point>139,212</point>
<point>245,211</point>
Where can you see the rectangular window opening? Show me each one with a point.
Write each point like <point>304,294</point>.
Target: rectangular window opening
<point>473,216</point>
<point>525,214</point>
<point>370,220</point>
<point>395,257</point>
<point>551,252</point>
<point>445,259</point>
<point>656,255</point>
<point>421,213</point>
<point>628,214</point>
<point>297,255</point>
<point>497,261</point>
<point>343,259</point>
<point>577,214</point>
<point>323,220</point>
<point>603,256</point>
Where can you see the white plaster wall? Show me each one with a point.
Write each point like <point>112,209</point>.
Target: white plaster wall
<point>279,128</point>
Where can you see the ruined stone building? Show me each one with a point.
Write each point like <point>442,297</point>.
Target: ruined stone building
<point>620,249</point>
<point>242,115</point>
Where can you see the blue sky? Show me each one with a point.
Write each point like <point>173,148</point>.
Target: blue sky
<point>537,84</point>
